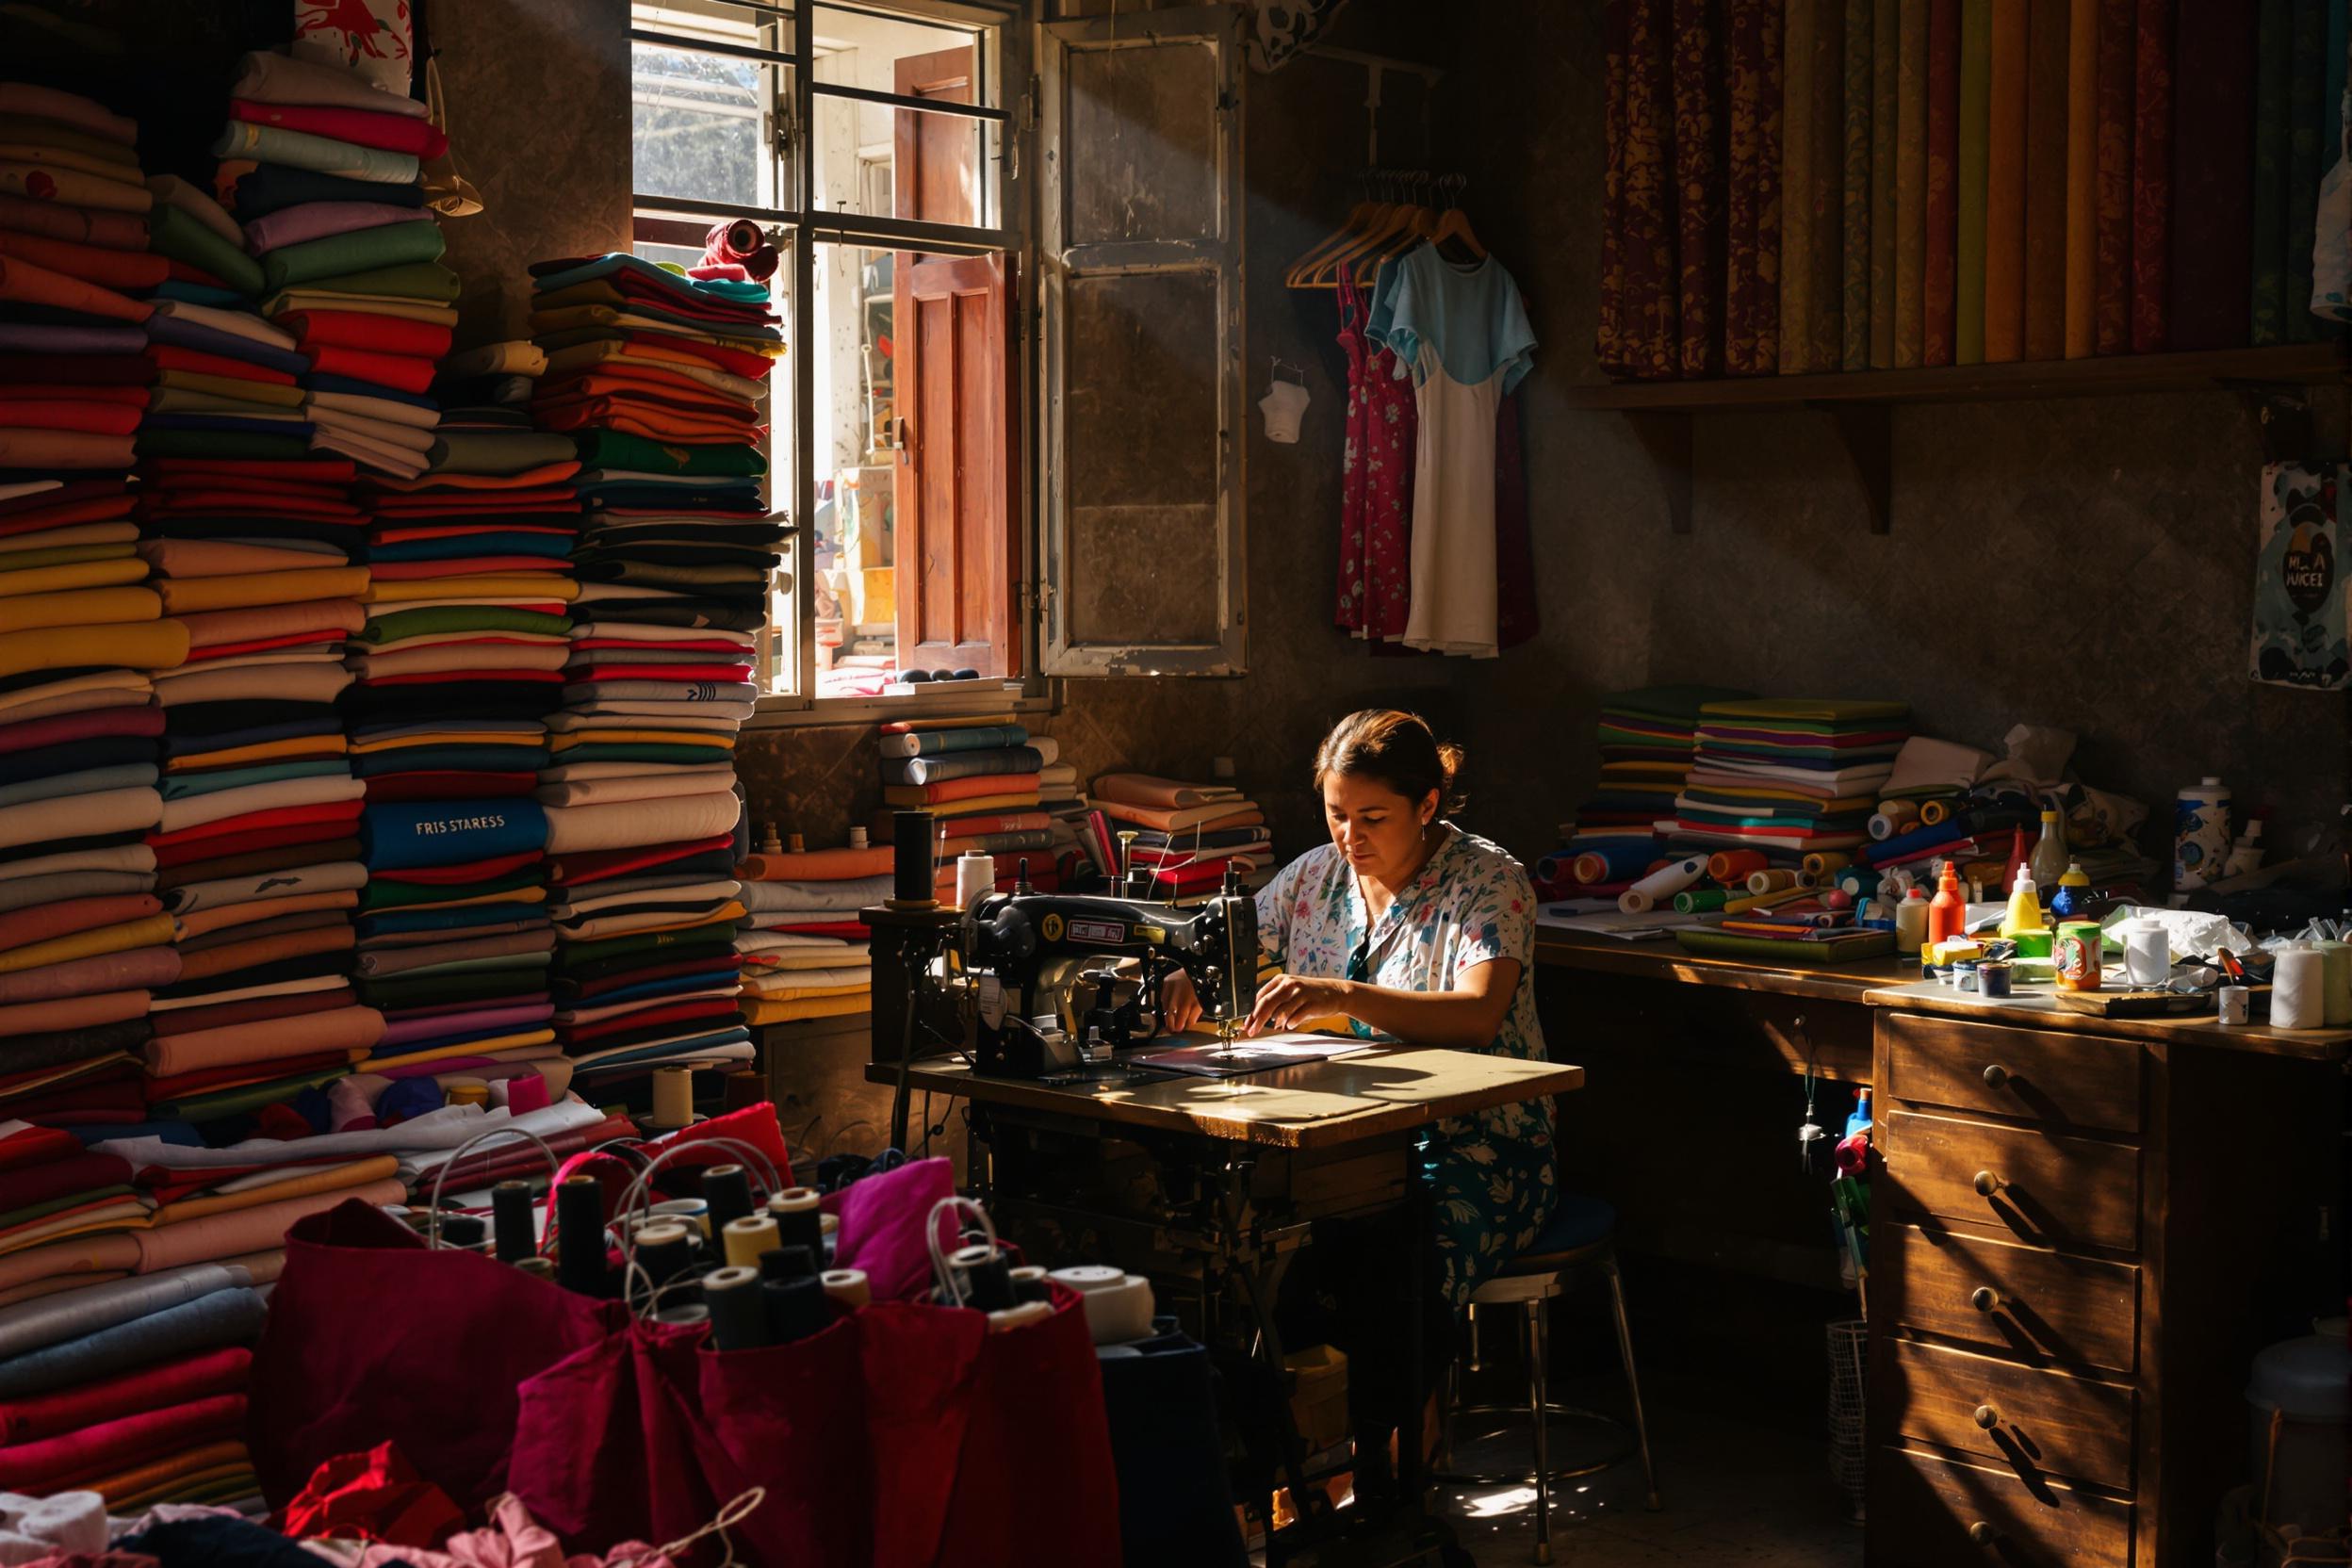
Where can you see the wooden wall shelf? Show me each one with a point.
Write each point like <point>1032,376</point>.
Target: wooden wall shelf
<point>1861,402</point>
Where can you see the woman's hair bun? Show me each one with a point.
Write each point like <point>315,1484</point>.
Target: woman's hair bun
<point>1395,748</point>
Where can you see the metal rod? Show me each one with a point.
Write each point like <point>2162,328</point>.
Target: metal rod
<point>1430,74</point>
<point>905,101</point>
<point>708,46</point>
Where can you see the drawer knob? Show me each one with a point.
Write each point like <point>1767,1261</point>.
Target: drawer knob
<point>1983,1533</point>
<point>1988,1416</point>
<point>1984,1299</point>
<point>1996,1076</point>
<point>1987,1183</point>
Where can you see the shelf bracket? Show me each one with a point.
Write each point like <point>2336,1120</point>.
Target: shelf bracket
<point>1666,436</point>
<point>1866,430</point>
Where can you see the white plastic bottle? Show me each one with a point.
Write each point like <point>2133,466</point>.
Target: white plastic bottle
<point>2201,833</point>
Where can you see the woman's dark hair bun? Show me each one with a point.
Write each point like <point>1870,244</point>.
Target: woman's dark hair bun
<point>1395,748</point>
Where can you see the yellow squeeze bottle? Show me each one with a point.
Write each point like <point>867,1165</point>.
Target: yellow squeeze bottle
<point>2025,907</point>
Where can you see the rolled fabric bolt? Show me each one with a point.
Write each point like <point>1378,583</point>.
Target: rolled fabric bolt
<point>1775,881</point>
<point>1085,1277</point>
<point>1837,898</point>
<point>739,1311</point>
<point>1826,863</point>
<point>1732,867</point>
<point>2298,990</point>
<point>1549,868</point>
<point>1613,864</point>
<point>726,1188</point>
<point>847,1288</point>
<point>1661,884</point>
<point>513,1221</point>
<point>748,1237</point>
<point>1933,813</point>
<point>1860,881</point>
<point>2237,1004</point>
<point>580,1237</point>
<point>673,1098</point>
<point>664,1251</point>
<point>798,1218</point>
<point>910,860</point>
<point>2336,1004</point>
<point>786,1263</point>
<point>1691,901</point>
<point>796,1308</point>
<point>1893,817</point>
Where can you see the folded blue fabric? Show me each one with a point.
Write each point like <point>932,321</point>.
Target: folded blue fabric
<point>228,345</point>
<point>657,1050</point>
<point>206,1323</point>
<point>367,389</point>
<point>466,545</point>
<point>401,834</point>
<point>392,922</point>
<point>180,786</point>
<point>199,294</point>
<point>376,765</point>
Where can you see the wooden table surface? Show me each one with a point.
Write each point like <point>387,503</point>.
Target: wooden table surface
<point>2038,1006</point>
<point>1374,1092</point>
<point>1663,958</point>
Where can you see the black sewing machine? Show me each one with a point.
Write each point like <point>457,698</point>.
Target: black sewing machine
<point>1056,987</point>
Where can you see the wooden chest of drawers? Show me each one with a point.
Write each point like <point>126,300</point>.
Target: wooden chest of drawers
<point>2068,1243</point>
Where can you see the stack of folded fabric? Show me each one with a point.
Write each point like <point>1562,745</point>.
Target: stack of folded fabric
<point>805,949</point>
<point>1186,834</point>
<point>1788,776</point>
<point>979,780</point>
<point>325,172</point>
<point>1647,740</point>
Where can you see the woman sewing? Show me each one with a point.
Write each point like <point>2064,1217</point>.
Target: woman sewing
<point>1414,930</point>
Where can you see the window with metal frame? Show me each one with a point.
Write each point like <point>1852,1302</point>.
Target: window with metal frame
<point>868,141</point>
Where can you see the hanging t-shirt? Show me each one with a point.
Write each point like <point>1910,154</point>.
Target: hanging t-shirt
<point>1462,332</point>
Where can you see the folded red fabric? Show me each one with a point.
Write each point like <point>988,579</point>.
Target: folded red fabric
<point>393,133</point>
<point>51,1463</point>
<point>360,328</point>
<point>66,728</point>
<point>172,1382</point>
<point>40,1184</point>
<point>98,418</point>
<point>78,370</point>
<point>312,470</point>
<point>401,373</point>
<point>36,1146</point>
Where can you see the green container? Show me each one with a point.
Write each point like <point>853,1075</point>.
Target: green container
<point>2032,944</point>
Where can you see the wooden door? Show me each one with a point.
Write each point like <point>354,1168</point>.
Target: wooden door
<point>957,523</point>
<point>933,174</point>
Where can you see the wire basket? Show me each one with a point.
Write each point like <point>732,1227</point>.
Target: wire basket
<point>1848,1349</point>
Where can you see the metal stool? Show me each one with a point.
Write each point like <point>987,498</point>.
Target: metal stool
<point>1581,1235</point>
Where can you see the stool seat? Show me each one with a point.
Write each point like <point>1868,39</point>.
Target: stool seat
<point>1578,1223</point>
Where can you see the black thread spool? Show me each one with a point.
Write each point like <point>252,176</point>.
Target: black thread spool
<point>799,1219</point>
<point>739,1310</point>
<point>512,1220</point>
<point>910,860</point>
<point>796,1308</point>
<point>786,1263</point>
<point>664,1251</point>
<point>462,1230</point>
<point>727,1195</point>
<point>987,1278</point>
<point>579,1229</point>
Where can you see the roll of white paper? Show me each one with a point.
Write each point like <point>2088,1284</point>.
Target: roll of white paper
<point>2298,990</point>
<point>1661,885</point>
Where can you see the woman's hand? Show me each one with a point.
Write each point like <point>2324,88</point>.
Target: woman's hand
<point>1180,1005</point>
<point>1289,1000</point>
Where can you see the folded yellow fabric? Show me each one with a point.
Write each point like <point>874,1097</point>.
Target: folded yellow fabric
<point>82,574</point>
<point>230,388</point>
<point>757,1011</point>
<point>154,931</point>
<point>522,1042</point>
<point>333,1178</point>
<point>515,586</point>
<point>453,738</point>
<point>297,747</point>
<point>237,593</point>
<point>89,607</point>
<point>641,737</point>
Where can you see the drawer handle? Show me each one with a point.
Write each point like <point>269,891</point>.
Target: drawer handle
<point>1996,1076</point>
<point>1987,1183</point>
<point>1988,1416</point>
<point>1984,1299</point>
<point>1983,1533</point>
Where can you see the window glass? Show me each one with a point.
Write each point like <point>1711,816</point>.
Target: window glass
<point>702,126</point>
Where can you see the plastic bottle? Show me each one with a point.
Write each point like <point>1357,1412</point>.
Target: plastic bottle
<point>1947,911</point>
<point>1859,1119</point>
<point>2025,907</point>
<point>2201,833</point>
<point>2074,892</point>
<point>2050,853</point>
<point>2020,859</point>
<point>1911,922</point>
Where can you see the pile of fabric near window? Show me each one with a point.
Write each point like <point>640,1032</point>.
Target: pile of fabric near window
<point>659,378</point>
<point>805,947</point>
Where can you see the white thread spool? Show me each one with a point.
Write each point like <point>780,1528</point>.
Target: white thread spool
<point>1661,886</point>
<point>847,1286</point>
<point>2147,954</point>
<point>1086,1278</point>
<point>1120,1313</point>
<point>673,1098</point>
<point>2298,987</point>
<point>975,878</point>
<point>2237,1004</point>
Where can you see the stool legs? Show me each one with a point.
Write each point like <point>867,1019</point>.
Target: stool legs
<point>1540,1415</point>
<point>1633,1383</point>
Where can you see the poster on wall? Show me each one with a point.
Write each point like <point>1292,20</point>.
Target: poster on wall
<point>2299,593</point>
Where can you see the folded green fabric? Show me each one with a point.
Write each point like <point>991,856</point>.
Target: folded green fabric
<point>607,448</point>
<point>417,280</point>
<point>219,444</point>
<point>650,752</point>
<point>498,452</point>
<point>242,138</point>
<point>176,233</point>
<point>359,251</point>
<point>228,1102</point>
<point>380,894</point>
<point>442,619</point>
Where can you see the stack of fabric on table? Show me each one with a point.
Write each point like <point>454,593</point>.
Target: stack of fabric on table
<point>325,172</point>
<point>806,951</point>
<point>1788,776</point>
<point>1185,834</point>
<point>1648,738</point>
<point>978,778</point>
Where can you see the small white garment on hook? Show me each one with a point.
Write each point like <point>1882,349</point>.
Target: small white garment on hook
<point>1284,405</point>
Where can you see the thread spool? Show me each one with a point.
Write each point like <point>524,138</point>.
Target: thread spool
<point>1661,885</point>
<point>746,1239</point>
<point>799,1220</point>
<point>1120,1313</point>
<point>683,1316</point>
<point>975,878</point>
<point>664,1251</point>
<point>1029,1284</point>
<point>786,1263</point>
<point>1935,814</point>
<point>1778,880</point>
<point>910,861</point>
<point>796,1308</point>
<point>1860,881</point>
<point>1733,867</point>
<point>1691,901</point>
<point>1893,817</point>
<point>538,1268</point>
<point>858,837</point>
<point>1825,863</point>
<point>2298,990</point>
<point>1088,1277</point>
<point>464,1231</point>
<point>673,1098</point>
<point>739,1312</point>
<point>523,1095</point>
<point>726,1188</point>
<point>988,1276</point>
<point>846,1287</point>
<point>471,1092</point>
<point>2336,1004</point>
<point>579,1229</point>
<point>692,1211</point>
<point>2236,1004</point>
<point>2147,954</point>
<point>513,1220</point>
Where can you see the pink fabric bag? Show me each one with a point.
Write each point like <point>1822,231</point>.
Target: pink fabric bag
<point>882,1218</point>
